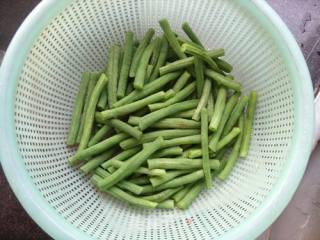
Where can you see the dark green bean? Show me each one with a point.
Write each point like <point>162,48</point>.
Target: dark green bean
<point>162,196</point>
<point>199,70</point>
<point>161,59</point>
<point>126,128</point>
<point>223,65</point>
<point>206,165</point>
<point>103,100</point>
<point>113,74</point>
<point>193,37</point>
<point>181,82</point>
<point>99,135</point>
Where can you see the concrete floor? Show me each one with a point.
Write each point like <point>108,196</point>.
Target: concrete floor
<point>300,220</point>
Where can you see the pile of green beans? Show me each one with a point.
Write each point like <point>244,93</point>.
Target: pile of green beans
<point>161,121</point>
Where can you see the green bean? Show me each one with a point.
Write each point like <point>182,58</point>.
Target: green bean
<point>151,136</point>
<point>178,97</point>
<point>97,148</point>
<point>132,164</point>
<point>210,105</point>
<point>186,151</point>
<point>171,151</point>
<point>126,128</point>
<point>143,65</point>
<point>129,108</point>
<point>182,180</point>
<point>228,138</point>
<point>206,165</point>
<point>99,135</point>
<point>156,181</point>
<point>129,88</point>
<point>77,110</point>
<point>134,120</point>
<point>140,170</point>
<point>181,193</point>
<point>185,114</point>
<point>140,180</point>
<point>122,195</point>
<point>93,163</point>
<point>195,153</point>
<point>248,124</point>
<point>199,70</point>
<point>235,115</point>
<point>222,80</point>
<point>94,77</point>
<point>183,40</point>
<point>181,82</point>
<point>102,103</point>
<point>89,118</point>
<point>193,37</point>
<point>127,185</point>
<point>162,196</point>
<point>233,155</point>
<point>179,123</point>
<point>148,89</point>
<point>223,65</point>
<point>126,63</point>
<point>122,156</point>
<point>196,139</point>
<point>167,204</point>
<point>186,201</point>
<point>203,100</point>
<point>181,163</point>
<point>156,53</point>
<point>225,116</point>
<point>113,74</point>
<point>161,59</point>
<point>138,54</point>
<point>200,53</point>
<point>173,42</point>
<point>155,116</point>
<point>218,109</point>
<point>187,62</point>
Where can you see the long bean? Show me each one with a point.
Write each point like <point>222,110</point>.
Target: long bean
<point>194,191</point>
<point>156,181</point>
<point>167,204</point>
<point>225,116</point>
<point>141,180</point>
<point>203,100</point>
<point>235,115</point>
<point>127,185</point>
<point>161,59</point>
<point>97,148</point>
<point>199,70</point>
<point>222,80</point>
<point>181,163</point>
<point>126,63</point>
<point>181,193</point>
<point>173,42</point>
<point>89,118</point>
<point>151,136</point>
<point>191,34</point>
<point>126,128</point>
<point>113,74</point>
<point>93,163</point>
<point>181,82</point>
<point>162,196</point>
<point>155,116</point>
<point>228,138</point>
<point>99,135</point>
<point>218,109</point>
<point>137,56</point>
<point>103,100</point>
<point>140,170</point>
<point>171,151</point>
<point>132,164</point>
<point>124,196</point>
<point>124,155</point>
<point>143,65</point>
<point>206,165</point>
<point>234,153</point>
<point>178,97</point>
<point>77,110</point>
<point>129,108</point>
<point>210,105</point>
<point>200,53</point>
<point>148,89</point>
<point>185,114</point>
<point>195,139</point>
<point>248,124</point>
<point>223,65</point>
<point>187,62</point>
<point>94,77</point>
<point>178,123</point>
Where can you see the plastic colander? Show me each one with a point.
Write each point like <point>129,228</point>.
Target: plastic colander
<point>39,79</point>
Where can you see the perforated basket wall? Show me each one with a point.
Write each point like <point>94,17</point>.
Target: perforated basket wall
<point>77,39</point>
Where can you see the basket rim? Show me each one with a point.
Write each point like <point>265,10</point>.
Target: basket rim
<point>58,227</point>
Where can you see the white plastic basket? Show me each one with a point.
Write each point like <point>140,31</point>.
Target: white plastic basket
<point>39,79</point>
